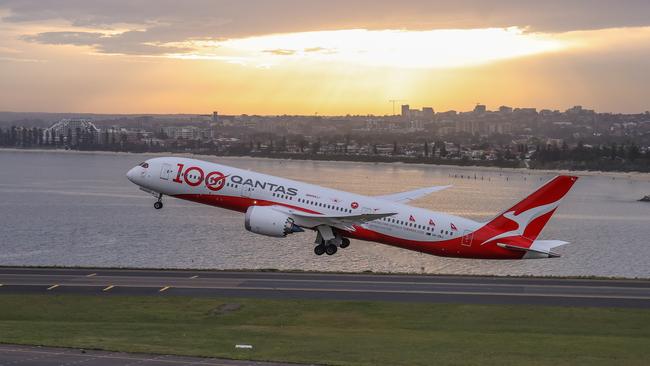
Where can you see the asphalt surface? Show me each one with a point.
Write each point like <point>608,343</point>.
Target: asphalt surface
<point>330,286</point>
<point>45,356</point>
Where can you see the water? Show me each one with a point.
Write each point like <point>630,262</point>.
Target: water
<point>78,209</point>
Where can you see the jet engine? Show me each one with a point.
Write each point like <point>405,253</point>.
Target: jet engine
<point>267,221</point>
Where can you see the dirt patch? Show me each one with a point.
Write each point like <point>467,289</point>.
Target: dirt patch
<point>224,309</point>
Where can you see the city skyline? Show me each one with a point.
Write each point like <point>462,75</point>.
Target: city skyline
<point>329,58</point>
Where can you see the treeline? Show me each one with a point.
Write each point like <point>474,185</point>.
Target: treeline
<point>613,157</point>
<point>22,137</point>
<point>388,159</point>
<point>79,139</point>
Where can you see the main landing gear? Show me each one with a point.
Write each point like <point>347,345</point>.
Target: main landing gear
<point>158,205</point>
<point>345,242</point>
<point>330,247</point>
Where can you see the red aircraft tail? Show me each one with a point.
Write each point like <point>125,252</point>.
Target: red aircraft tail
<point>528,217</point>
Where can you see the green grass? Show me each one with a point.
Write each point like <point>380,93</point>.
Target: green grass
<point>333,332</point>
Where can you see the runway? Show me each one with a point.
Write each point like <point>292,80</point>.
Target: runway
<point>42,356</point>
<point>328,286</point>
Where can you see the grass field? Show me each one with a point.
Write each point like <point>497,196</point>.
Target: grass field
<point>332,332</point>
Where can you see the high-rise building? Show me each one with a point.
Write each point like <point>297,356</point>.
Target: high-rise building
<point>480,108</point>
<point>427,113</point>
<point>215,117</point>
<point>406,110</point>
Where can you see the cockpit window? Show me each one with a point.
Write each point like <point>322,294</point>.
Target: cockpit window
<point>144,165</point>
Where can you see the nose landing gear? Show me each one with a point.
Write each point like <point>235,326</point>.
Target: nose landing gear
<point>158,205</point>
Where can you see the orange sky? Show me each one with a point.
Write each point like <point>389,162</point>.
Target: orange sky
<point>90,57</point>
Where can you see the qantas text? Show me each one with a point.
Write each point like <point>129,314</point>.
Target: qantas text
<point>214,181</point>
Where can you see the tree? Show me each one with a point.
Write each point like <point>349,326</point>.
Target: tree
<point>13,136</point>
<point>633,152</point>
<point>315,146</point>
<point>443,150</point>
<point>68,137</point>
<point>283,146</point>
<point>302,144</point>
<point>23,137</point>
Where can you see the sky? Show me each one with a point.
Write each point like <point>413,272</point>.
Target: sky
<point>325,57</point>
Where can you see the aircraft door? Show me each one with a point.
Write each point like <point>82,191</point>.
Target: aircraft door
<point>166,171</point>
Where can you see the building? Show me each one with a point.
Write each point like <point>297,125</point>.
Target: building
<point>480,108</point>
<point>406,110</point>
<point>185,133</point>
<point>427,113</point>
<point>73,131</point>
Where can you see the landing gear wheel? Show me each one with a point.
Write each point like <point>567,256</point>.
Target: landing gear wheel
<point>345,242</point>
<point>319,249</point>
<point>330,249</point>
<point>158,205</point>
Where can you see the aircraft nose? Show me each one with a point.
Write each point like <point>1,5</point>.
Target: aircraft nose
<point>132,174</point>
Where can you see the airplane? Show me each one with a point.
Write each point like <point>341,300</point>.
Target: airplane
<point>278,207</point>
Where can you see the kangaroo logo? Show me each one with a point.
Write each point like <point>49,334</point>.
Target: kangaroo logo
<point>523,219</point>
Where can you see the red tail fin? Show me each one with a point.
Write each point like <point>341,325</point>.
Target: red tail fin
<point>528,217</point>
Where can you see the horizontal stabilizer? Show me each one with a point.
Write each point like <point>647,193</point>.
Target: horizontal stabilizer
<point>539,248</point>
<point>404,197</point>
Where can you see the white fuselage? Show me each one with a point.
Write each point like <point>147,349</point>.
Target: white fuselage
<point>409,223</point>
<point>276,206</point>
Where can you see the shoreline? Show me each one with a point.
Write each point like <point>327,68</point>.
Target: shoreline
<point>613,174</point>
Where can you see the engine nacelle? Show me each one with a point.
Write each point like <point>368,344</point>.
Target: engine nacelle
<point>267,221</point>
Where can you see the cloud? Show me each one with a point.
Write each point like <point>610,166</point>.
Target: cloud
<point>319,50</point>
<point>67,38</point>
<point>149,26</point>
<point>281,52</point>
<point>128,43</point>
<point>18,59</point>
<point>233,18</point>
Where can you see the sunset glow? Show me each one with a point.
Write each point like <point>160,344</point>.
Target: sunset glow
<point>444,48</point>
<point>276,58</point>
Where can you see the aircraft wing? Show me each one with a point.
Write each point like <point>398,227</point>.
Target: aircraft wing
<point>343,222</point>
<point>404,197</point>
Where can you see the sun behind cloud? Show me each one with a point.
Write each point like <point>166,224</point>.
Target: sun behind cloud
<point>443,48</point>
